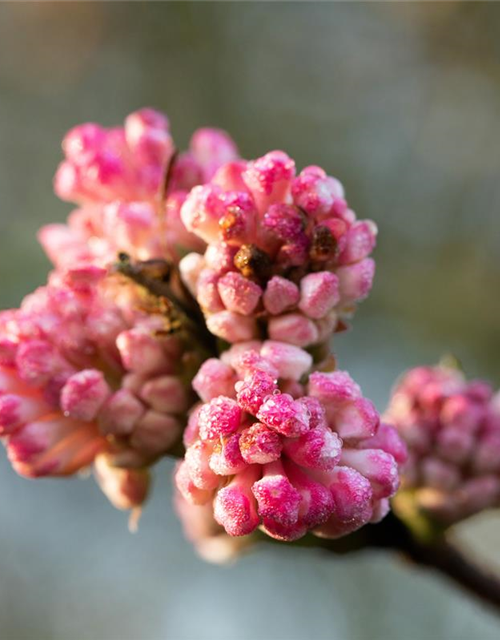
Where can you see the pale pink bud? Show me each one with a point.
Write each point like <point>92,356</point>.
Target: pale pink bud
<point>238,218</point>
<point>259,444</point>
<point>378,466</point>
<point>84,394</point>
<point>334,388</point>
<point>454,445</point>
<point>234,504</point>
<point>53,445</point>
<point>220,257</point>
<point>238,293</point>
<point>212,149</point>
<point>146,133</point>
<point>215,378</point>
<point>220,417</point>
<point>252,391</point>
<point>81,142</point>
<point>315,192</point>
<point>229,176</point>
<point>236,355</point>
<point>290,361</point>
<point>188,489</point>
<point>388,439</point>
<point>120,413</point>
<point>294,328</point>
<point>226,459</point>
<point>269,179</point>
<point>18,410</point>
<point>280,295</point>
<point>357,420</point>
<point>284,532</point>
<point>439,474</point>
<point>142,353</point>
<point>190,268</point>
<point>197,459</point>
<point>486,455</point>
<point>462,413</point>
<point>316,500</point>
<point>319,448</point>
<point>355,281</point>
<point>154,433</point>
<point>232,327</point>
<point>326,326</point>
<point>201,212</point>
<point>352,494</point>
<point>37,361</point>
<point>129,224</point>
<point>208,292</point>
<point>166,394</point>
<point>285,415</point>
<point>361,238</point>
<point>276,497</point>
<point>318,293</point>
<point>125,488</point>
<point>246,361</point>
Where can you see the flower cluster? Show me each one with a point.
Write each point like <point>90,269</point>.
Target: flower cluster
<point>452,430</point>
<point>286,257</point>
<point>84,372</point>
<point>130,186</point>
<point>275,446</point>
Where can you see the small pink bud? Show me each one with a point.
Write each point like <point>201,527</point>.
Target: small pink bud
<point>318,294</point>
<point>18,410</point>
<point>188,489</point>
<point>207,291</point>
<point>285,415</point>
<point>290,361</point>
<point>166,394</point>
<point>333,388</point>
<point>276,497</point>
<point>190,268</point>
<point>316,500</point>
<point>439,474</point>
<point>229,176</point>
<point>378,466</point>
<point>146,132</point>
<point>201,212</point>
<point>315,192</point>
<point>361,238</point>
<point>120,413</point>
<point>352,494</point>
<point>212,149</point>
<point>269,179</point>
<point>357,420</point>
<point>142,353</point>
<point>388,439</point>
<point>197,459</point>
<point>154,433</point>
<point>238,293</point>
<point>220,257</point>
<point>232,327</point>
<point>294,328</point>
<point>454,445</point>
<point>220,417</point>
<point>226,459</point>
<point>215,378</point>
<point>319,448</point>
<point>254,390</point>
<point>84,394</point>
<point>280,295</point>
<point>125,488</point>
<point>37,361</point>
<point>234,504</point>
<point>355,281</point>
<point>259,444</point>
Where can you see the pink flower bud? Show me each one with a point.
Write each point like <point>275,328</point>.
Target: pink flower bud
<point>154,433</point>
<point>120,413</point>
<point>269,179</point>
<point>37,361</point>
<point>190,268</point>
<point>378,466</point>
<point>125,488</point>
<point>280,295</point>
<point>259,444</point>
<point>238,293</point>
<point>84,394</point>
<point>352,495</point>
<point>357,420</point>
<point>276,497</point>
<point>229,176</point>
<point>361,239</point>
<point>355,281</point>
<point>220,417</point>
<point>285,415</point>
<point>290,361</point>
<point>319,448</point>
<point>215,378</point>
<point>318,294</point>
<point>226,458</point>
<point>439,474</point>
<point>232,327</point>
<point>212,149</point>
<point>197,459</point>
<point>201,212</point>
<point>387,439</point>
<point>220,257</point>
<point>254,390</point>
<point>188,489</point>
<point>129,224</point>
<point>146,133</point>
<point>234,505</point>
<point>294,328</point>
<point>333,388</point>
<point>315,192</point>
<point>142,353</point>
<point>166,394</point>
<point>53,445</point>
<point>207,291</point>
<point>18,410</point>
<point>316,500</point>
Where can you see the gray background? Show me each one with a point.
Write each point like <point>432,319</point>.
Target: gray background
<point>401,102</point>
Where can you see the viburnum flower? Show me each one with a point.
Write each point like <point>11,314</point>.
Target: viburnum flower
<point>130,186</point>
<point>452,430</point>
<point>286,258</point>
<point>86,372</point>
<point>277,447</point>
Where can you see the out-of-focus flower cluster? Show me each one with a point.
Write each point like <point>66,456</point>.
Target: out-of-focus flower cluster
<point>277,447</point>
<point>286,257</point>
<point>452,430</point>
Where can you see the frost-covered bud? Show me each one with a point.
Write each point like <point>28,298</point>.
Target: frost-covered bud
<point>266,458</point>
<point>201,212</point>
<point>452,430</point>
<point>239,294</point>
<point>318,294</point>
<point>212,149</point>
<point>355,281</point>
<point>280,295</point>
<point>84,394</point>
<point>294,328</point>
<point>232,327</point>
<point>269,179</point>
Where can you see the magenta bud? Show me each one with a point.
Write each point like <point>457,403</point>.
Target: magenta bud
<point>254,390</point>
<point>207,291</point>
<point>259,444</point>
<point>269,179</point>
<point>378,466</point>
<point>319,293</point>
<point>276,497</point>
<point>201,212</point>
<point>84,394</point>
<point>319,448</point>
<point>188,489</point>
<point>360,242</point>
<point>333,388</point>
<point>226,458</point>
<point>234,504</point>
<point>197,459</point>
<point>352,495</point>
<point>220,417</point>
<point>154,433</point>
<point>357,420</point>
<point>18,410</point>
<point>285,415</point>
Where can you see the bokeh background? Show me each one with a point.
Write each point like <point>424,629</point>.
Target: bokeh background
<point>401,102</point>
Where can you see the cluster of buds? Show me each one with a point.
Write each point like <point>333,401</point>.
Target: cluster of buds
<point>277,447</point>
<point>84,373</point>
<point>130,186</point>
<point>452,429</point>
<point>286,257</point>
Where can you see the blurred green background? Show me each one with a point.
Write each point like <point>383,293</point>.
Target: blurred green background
<point>399,101</point>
